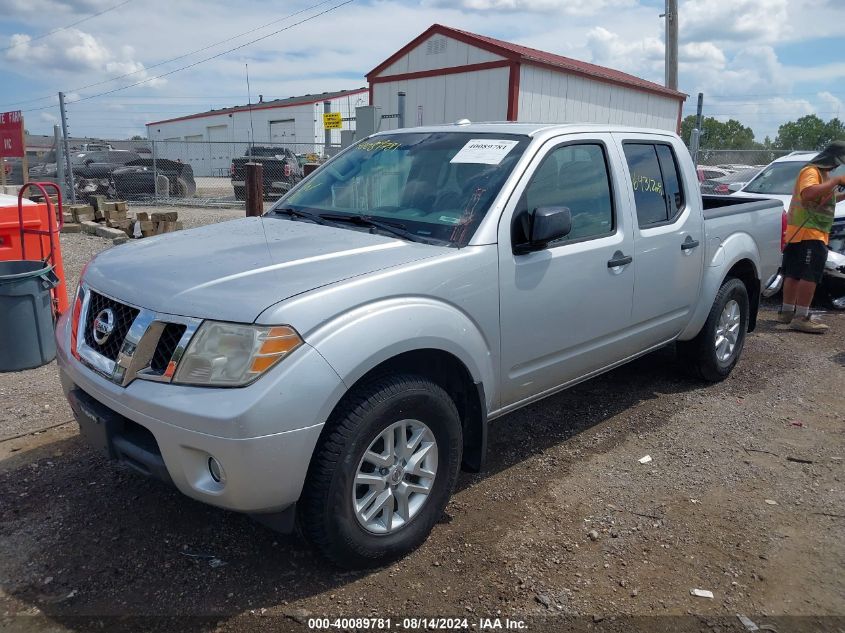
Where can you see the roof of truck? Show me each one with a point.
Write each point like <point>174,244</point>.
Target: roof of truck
<point>527,129</point>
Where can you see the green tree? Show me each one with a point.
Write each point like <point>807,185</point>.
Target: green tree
<point>137,138</point>
<point>809,133</point>
<point>730,134</point>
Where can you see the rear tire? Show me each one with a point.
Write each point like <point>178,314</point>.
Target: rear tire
<point>335,503</point>
<point>714,352</point>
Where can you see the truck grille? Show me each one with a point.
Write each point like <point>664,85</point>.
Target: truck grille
<point>170,338</point>
<point>124,315</point>
<point>149,341</point>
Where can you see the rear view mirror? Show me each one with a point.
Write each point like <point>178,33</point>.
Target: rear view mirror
<point>545,225</point>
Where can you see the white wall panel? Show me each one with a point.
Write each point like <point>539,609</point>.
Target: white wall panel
<point>307,131</point>
<point>549,96</point>
<point>431,54</point>
<point>478,96</point>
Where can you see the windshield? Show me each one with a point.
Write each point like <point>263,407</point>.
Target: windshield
<point>779,178</point>
<point>436,186</point>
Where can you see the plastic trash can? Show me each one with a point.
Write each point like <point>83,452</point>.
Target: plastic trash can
<point>26,314</point>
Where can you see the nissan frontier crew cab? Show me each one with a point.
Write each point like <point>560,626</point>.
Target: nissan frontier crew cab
<point>336,361</point>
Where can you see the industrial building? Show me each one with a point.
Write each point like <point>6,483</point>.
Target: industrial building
<point>209,140</point>
<point>447,74</point>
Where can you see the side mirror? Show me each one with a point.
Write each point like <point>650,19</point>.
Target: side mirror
<point>735,186</point>
<point>545,225</point>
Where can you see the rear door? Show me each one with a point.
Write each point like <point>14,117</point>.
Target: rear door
<point>669,239</point>
<point>565,311</point>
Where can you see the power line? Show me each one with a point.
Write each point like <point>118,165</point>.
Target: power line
<point>67,26</point>
<point>197,63</point>
<point>178,57</point>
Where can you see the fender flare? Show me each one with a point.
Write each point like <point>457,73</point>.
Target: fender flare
<point>724,256</point>
<point>358,340</point>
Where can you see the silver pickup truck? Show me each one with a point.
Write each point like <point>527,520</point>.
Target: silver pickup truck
<point>337,360</point>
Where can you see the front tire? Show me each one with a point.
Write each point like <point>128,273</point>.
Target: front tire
<point>714,352</point>
<point>382,472</point>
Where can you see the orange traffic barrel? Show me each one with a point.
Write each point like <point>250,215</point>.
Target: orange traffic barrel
<point>33,243</point>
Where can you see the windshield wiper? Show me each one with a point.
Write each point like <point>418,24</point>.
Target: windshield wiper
<point>394,228</point>
<point>316,218</point>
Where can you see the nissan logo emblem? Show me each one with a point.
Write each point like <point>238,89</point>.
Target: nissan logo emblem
<point>103,326</point>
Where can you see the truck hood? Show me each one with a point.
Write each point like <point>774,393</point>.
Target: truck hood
<point>232,271</point>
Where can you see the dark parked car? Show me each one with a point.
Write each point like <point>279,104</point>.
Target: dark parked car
<point>99,164</point>
<point>726,185</point>
<point>282,170</point>
<point>137,179</point>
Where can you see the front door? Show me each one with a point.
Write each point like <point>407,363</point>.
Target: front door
<point>565,310</point>
<point>669,240</point>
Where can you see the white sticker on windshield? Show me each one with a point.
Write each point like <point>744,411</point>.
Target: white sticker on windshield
<point>484,151</point>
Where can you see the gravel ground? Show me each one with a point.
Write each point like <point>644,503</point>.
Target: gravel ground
<point>565,528</point>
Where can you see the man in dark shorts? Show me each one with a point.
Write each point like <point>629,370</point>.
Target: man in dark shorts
<point>809,221</point>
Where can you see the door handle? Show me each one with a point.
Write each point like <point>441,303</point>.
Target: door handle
<point>619,260</point>
<point>689,243</point>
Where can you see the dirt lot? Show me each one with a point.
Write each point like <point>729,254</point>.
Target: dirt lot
<point>565,528</point>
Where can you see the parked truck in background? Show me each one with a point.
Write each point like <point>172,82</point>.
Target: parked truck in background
<point>342,356</point>
<point>281,170</point>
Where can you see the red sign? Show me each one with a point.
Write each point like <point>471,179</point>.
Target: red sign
<point>11,135</point>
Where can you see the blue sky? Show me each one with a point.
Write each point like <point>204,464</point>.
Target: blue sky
<point>760,61</point>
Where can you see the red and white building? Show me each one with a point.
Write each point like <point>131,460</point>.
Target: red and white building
<point>448,74</point>
<point>209,140</point>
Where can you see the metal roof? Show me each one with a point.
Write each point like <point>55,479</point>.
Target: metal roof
<point>267,105</point>
<point>517,53</point>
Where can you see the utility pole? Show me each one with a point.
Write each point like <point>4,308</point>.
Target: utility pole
<point>68,165</point>
<point>327,108</point>
<point>401,109</point>
<point>60,161</point>
<point>671,17</point>
<point>695,138</point>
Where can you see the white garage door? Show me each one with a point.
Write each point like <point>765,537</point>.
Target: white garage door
<point>283,131</point>
<point>219,149</point>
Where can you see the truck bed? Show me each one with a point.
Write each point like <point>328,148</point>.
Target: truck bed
<point>721,206</point>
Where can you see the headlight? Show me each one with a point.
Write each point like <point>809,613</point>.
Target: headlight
<point>233,354</point>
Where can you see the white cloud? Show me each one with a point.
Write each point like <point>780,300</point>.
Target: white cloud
<point>48,118</point>
<point>610,49</point>
<point>738,20</point>
<point>568,7</point>
<point>702,53</point>
<point>70,50</point>
<point>831,104</point>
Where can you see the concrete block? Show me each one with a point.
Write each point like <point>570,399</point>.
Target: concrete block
<point>120,239</point>
<point>89,227</point>
<point>80,212</point>
<point>142,216</point>
<point>71,227</point>
<point>121,205</point>
<point>109,233</point>
<point>165,216</point>
<point>99,204</point>
<point>114,214</point>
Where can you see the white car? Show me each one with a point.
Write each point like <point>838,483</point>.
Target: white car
<point>777,180</point>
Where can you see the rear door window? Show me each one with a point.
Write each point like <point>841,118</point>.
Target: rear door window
<point>655,179</point>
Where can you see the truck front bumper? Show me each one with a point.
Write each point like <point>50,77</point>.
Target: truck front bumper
<point>245,449</point>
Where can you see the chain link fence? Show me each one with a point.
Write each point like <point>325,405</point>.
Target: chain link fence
<point>180,172</point>
<point>213,173</point>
